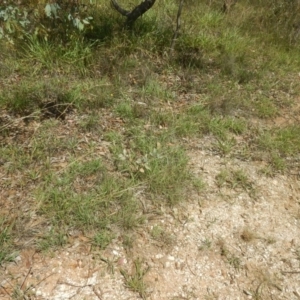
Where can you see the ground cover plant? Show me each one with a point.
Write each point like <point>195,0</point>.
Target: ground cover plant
<point>96,119</point>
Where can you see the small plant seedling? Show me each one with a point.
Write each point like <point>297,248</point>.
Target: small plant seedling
<point>159,234</point>
<point>135,280</point>
<point>102,239</point>
<point>232,259</point>
<point>110,265</point>
<point>235,179</point>
<point>205,244</point>
<point>128,241</point>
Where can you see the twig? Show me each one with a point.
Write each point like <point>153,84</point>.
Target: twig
<point>37,283</point>
<point>21,288</point>
<point>99,295</point>
<point>5,290</point>
<point>44,279</point>
<point>9,123</point>
<point>186,261</point>
<point>75,285</point>
<point>178,24</point>
<point>290,272</point>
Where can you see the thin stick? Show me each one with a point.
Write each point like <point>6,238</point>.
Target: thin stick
<point>5,290</point>
<point>21,288</point>
<point>290,272</point>
<point>178,24</point>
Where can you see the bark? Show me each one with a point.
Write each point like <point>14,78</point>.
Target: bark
<point>133,15</point>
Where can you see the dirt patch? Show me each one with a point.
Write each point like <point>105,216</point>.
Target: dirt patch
<point>224,243</point>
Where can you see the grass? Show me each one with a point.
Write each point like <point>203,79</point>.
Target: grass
<point>135,280</point>
<point>93,205</point>
<point>234,179</point>
<point>280,145</point>
<point>6,253</point>
<point>205,244</point>
<point>230,257</point>
<point>162,236</point>
<point>129,109</point>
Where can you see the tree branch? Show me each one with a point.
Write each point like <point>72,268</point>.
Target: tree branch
<point>133,15</point>
<point>119,9</point>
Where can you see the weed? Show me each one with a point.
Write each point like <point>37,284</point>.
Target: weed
<point>90,123</point>
<point>234,179</point>
<point>265,108</point>
<point>198,184</point>
<point>93,96</point>
<point>186,125</point>
<point>270,240</point>
<point>46,55</point>
<point>110,264</point>
<point>264,281</point>
<point>257,293</point>
<point>241,179</point>
<point>128,241</point>
<point>159,234</point>
<point>232,259</point>
<point>125,110</point>
<point>277,162</point>
<point>205,244</point>
<point>21,291</point>
<point>135,281</point>
<point>6,243</point>
<point>68,201</point>
<point>225,146</point>
<point>161,167</point>
<point>41,52</point>
<point>285,140</point>
<point>129,217</point>
<point>54,238</point>
<point>280,144</point>
<point>14,158</point>
<point>23,98</point>
<point>155,90</point>
<point>102,239</point>
<point>220,127</point>
<point>162,119</point>
<point>168,170</point>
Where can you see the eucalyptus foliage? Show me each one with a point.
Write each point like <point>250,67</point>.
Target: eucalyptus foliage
<point>48,20</point>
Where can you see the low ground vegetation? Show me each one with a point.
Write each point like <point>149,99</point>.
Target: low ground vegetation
<point>95,124</point>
